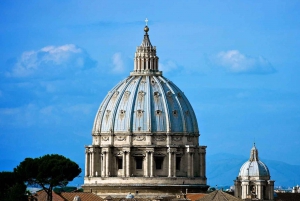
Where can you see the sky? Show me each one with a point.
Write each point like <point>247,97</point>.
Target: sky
<point>236,61</point>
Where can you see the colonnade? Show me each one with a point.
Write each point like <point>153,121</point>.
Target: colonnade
<point>258,189</point>
<point>98,162</point>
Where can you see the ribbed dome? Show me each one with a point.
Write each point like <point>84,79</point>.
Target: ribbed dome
<point>254,167</point>
<point>145,101</point>
<point>145,104</point>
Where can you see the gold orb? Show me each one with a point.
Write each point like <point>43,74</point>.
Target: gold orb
<point>146,29</point>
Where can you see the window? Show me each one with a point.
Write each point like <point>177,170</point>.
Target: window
<point>120,163</point>
<point>159,162</point>
<point>178,159</point>
<point>139,163</point>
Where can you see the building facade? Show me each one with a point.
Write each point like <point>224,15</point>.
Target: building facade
<point>145,137</point>
<point>254,180</point>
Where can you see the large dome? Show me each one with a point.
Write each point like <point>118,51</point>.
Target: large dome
<point>145,103</point>
<point>145,136</point>
<point>254,167</point>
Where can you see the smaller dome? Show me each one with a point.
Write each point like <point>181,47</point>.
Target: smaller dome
<point>254,167</point>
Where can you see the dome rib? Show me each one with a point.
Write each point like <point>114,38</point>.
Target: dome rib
<point>166,108</point>
<point>149,108</point>
<point>192,117</point>
<point>101,111</point>
<point>121,92</point>
<point>130,123</point>
<point>183,119</point>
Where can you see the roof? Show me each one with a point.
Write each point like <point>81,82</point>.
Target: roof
<point>84,196</point>
<point>287,197</point>
<point>195,196</point>
<point>67,196</point>
<point>219,196</point>
<point>145,104</point>
<point>254,167</point>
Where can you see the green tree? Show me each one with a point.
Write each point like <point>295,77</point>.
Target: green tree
<point>48,171</point>
<point>11,187</point>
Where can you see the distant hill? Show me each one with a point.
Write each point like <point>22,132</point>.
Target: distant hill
<point>223,168</point>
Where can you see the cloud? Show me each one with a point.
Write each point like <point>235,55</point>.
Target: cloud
<point>51,61</point>
<point>168,66</point>
<point>118,64</point>
<point>235,62</point>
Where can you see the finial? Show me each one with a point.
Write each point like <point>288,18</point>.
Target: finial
<point>146,29</point>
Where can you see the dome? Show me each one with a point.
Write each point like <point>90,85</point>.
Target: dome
<point>145,101</point>
<point>145,104</point>
<point>254,167</point>
<point>145,135</point>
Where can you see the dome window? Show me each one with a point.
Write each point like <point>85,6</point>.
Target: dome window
<point>174,112</point>
<point>158,112</point>
<point>122,113</point>
<point>169,93</point>
<point>140,113</point>
<point>141,95</point>
<point>187,112</point>
<point>107,113</point>
<point>156,94</point>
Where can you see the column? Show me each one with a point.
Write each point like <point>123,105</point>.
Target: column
<point>86,162</point>
<point>260,191</point>
<point>244,190</point>
<point>174,164</point>
<point>192,165</point>
<point>271,189</point>
<point>128,164</point>
<point>107,173</point>
<point>237,189</point>
<point>189,165</point>
<point>104,164</point>
<point>91,164</point>
<point>123,165</point>
<point>151,163</point>
<point>170,164</point>
<point>147,165</point>
<point>203,162</point>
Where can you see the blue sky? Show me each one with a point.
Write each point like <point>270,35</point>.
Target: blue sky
<point>237,62</point>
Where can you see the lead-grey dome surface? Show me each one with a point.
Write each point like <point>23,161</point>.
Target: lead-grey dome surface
<point>145,104</point>
<point>254,167</point>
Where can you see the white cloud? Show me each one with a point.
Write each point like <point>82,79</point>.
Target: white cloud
<point>118,64</point>
<point>168,66</point>
<point>236,62</point>
<point>51,60</point>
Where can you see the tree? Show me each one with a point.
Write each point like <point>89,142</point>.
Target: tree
<point>48,171</point>
<point>11,187</point>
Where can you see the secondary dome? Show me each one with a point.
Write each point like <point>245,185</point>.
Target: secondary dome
<point>145,101</point>
<point>254,167</point>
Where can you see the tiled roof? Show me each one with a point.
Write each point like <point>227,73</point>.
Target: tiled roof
<point>219,196</point>
<point>195,196</point>
<point>287,197</point>
<point>83,196</point>
<point>42,196</point>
